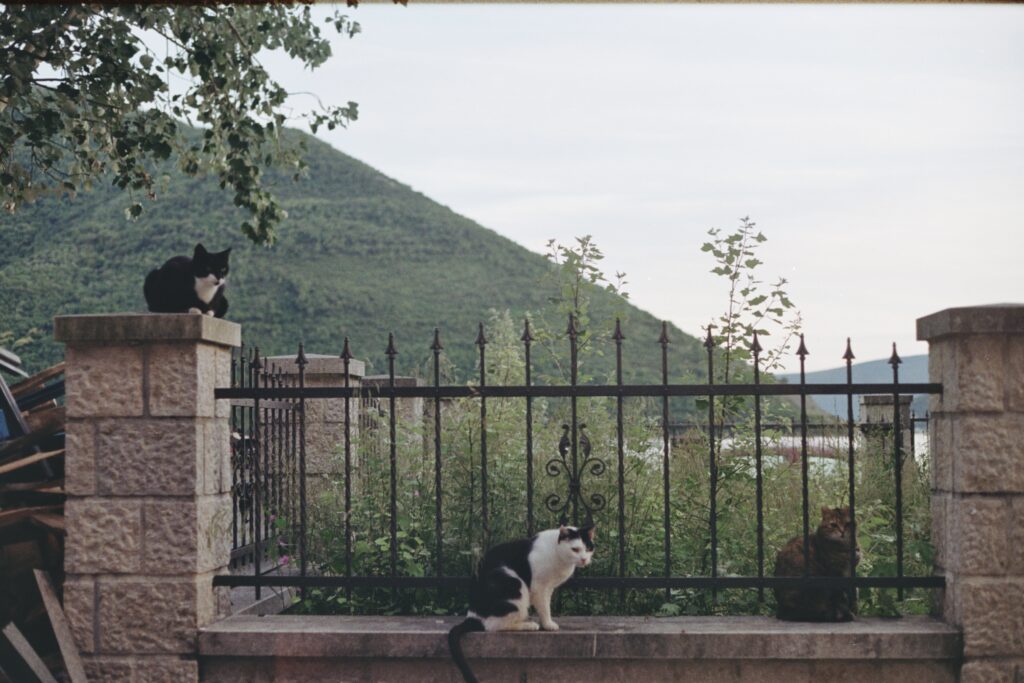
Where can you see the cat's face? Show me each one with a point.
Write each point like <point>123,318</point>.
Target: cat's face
<point>210,267</point>
<point>836,523</point>
<point>576,546</point>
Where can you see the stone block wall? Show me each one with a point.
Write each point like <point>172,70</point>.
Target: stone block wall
<point>977,446</point>
<point>148,478</point>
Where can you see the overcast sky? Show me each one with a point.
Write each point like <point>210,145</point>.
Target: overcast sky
<point>880,148</point>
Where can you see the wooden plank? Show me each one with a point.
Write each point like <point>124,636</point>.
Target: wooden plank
<point>27,386</point>
<point>22,444</point>
<point>25,462</point>
<point>17,514</point>
<point>27,654</point>
<point>47,418</point>
<point>51,521</point>
<point>68,650</point>
<point>52,486</point>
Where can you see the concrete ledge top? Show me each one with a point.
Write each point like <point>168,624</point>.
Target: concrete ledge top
<point>990,319</point>
<point>584,637</point>
<point>145,327</point>
<point>320,364</point>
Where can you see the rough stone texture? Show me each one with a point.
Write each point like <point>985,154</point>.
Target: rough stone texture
<point>154,457</point>
<point>988,454</point>
<point>981,526</point>
<point>940,504</point>
<point>1015,369</point>
<point>941,441</point>
<point>79,607</point>
<point>103,536</point>
<point>993,616</point>
<point>991,671</point>
<point>80,457</point>
<point>230,670</point>
<point>182,378</point>
<point>155,616</point>
<point>165,670</point>
<point>171,533</point>
<point>216,456</point>
<point>109,328</point>
<point>1016,542</point>
<point>979,374</point>
<point>103,381</point>
<point>998,319</point>
<point>214,529</point>
<point>108,669</point>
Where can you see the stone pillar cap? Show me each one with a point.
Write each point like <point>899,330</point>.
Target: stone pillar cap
<point>988,319</point>
<point>145,327</point>
<point>319,364</point>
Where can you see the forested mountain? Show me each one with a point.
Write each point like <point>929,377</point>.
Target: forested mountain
<point>360,255</point>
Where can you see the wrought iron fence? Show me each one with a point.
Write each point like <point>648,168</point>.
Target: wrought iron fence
<point>265,463</point>
<point>260,391</point>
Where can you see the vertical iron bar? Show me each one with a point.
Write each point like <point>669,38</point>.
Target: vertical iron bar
<point>236,355</point>
<point>620,450</point>
<point>802,352</point>
<point>481,341</point>
<point>913,432</point>
<point>436,347</point>
<point>256,507</point>
<point>709,344</point>
<point>268,500</point>
<point>574,481</point>
<point>895,361</point>
<point>391,352</point>
<point>346,359</point>
<point>527,338</point>
<point>300,361</point>
<point>756,349</point>
<point>664,341</point>
<point>848,357</point>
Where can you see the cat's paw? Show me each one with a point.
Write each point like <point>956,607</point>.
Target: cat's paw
<point>529,626</point>
<point>549,626</point>
<point>195,311</point>
<point>209,313</point>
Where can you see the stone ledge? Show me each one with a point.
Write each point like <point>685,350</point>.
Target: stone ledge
<point>990,319</point>
<point>320,364</point>
<point>611,638</point>
<point>145,327</point>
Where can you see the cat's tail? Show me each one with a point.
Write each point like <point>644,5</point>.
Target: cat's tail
<point>467,625</point>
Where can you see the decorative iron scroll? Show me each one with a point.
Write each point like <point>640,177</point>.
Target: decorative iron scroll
<point>562,464</point>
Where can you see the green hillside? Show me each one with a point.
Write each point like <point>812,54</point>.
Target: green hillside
<point>360,255</point>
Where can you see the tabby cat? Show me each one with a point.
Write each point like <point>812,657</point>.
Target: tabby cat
<point>829,555</point>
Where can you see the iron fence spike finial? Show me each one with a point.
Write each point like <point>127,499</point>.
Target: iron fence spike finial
<point>437,345</point>
<point>756,345</point>
<point>481,338</point>
<point>663,339</point>
<point>571,330</point>
<point>802,351</point>
<point>848,356</point>
<point>300,360</point>
<point>256,358</point>
<point>527,335</point>
<point>346,352</point>
<point>391,351</point>
<point>709,340</point>
<point>894,359</point>
<point>618,336</point>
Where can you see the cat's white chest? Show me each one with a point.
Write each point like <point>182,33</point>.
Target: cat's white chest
<point>206,288</point>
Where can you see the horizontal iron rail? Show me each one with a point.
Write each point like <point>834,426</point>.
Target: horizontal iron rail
<point>598,582</point>
<point>579,390</point>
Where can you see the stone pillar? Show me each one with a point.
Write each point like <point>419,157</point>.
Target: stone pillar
<point>148,478</point>
<point>325,418</point>
<point>977,447</point>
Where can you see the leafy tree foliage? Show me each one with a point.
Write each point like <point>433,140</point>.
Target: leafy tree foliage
<point>84,97</point>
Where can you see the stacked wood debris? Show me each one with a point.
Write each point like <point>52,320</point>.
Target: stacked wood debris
<point>31,512</point>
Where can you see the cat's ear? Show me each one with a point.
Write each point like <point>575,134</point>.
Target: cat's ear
<point>563,533</point>
<point>200,251</point>
<point>826,512</point>
<point>588,531</point>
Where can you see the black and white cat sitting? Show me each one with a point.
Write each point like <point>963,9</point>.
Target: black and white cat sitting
<point>190,285</point>
<point>515,575</point>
